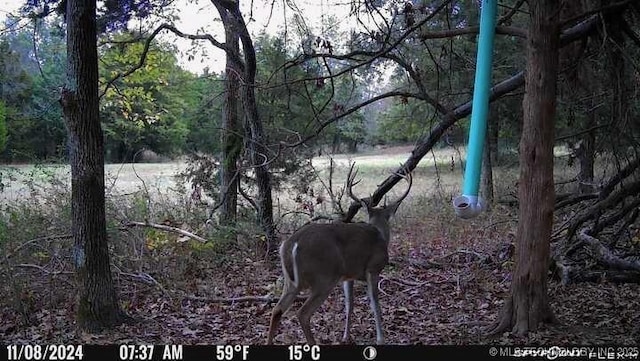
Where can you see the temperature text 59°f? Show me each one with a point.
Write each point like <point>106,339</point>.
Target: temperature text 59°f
<point>228,352</point>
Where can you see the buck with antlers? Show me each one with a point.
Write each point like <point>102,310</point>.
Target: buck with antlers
<point>320,255</point>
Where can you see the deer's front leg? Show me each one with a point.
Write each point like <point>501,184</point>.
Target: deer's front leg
<point>372,285</point>
<point>348,309</point>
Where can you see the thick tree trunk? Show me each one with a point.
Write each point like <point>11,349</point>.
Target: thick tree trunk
<point>527,305</point>
<point>97,301</point>
<point>231,139</point>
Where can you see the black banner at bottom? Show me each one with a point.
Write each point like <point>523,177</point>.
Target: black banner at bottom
<point>150,352</point>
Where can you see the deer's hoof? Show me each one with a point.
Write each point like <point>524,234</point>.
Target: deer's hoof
<point>347,341</point>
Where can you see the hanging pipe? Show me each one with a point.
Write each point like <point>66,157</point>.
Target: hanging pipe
<point>469,204</point>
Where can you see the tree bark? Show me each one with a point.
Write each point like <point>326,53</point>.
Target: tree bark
<point>230,135</point>
<point>97,300</point>
<point>527,305</point>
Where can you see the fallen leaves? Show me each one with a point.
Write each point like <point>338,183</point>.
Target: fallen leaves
<point>438,291</point>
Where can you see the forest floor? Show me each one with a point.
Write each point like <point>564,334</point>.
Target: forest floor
<point>446,284</point>
<point>434,293</point>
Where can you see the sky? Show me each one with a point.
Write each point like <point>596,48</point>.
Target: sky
<point>201,15</point>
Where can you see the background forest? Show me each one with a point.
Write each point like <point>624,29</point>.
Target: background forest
<point>203,173</point>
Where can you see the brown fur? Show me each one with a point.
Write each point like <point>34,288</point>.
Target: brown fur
<point>359,247</point>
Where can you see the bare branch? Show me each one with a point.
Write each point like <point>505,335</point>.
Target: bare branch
<point>351,110</point>
<point>595,13</point>
<point>44,270</point>
<point>605,256</point>
<point>512,11</point>
<point>232,300</point>
<point>179,33</point>
<point>450,33</point>
<point>165,228</point>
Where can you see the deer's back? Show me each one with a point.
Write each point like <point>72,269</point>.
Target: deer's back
<point>342,250</point>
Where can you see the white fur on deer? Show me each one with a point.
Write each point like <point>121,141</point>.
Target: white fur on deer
<point>318,256</point>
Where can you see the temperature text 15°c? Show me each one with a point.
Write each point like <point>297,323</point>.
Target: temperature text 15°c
<point>296,352</point>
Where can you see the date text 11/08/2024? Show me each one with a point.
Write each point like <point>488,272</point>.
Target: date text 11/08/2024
<point>142,352</point>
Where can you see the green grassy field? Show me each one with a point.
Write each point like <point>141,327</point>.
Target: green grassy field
<point>19,180</point>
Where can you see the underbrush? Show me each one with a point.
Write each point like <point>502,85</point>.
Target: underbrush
<point>160,243</point>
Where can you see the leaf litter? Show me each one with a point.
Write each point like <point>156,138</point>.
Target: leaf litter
<point>439,289</point>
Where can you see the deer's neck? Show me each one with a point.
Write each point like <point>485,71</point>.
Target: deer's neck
<point>384,231</point>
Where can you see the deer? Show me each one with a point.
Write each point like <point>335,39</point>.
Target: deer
<point>318,256</point>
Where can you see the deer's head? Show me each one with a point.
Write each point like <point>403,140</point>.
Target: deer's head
<point>379,216</point>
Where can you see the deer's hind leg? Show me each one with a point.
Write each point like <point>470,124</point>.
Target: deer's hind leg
<point>318,295</point>
<point>289,294</point>
<point>348,309</point>
<point>372,286</point>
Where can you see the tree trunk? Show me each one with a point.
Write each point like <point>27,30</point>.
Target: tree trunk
<point>97,300</point>
<point>527,305</point>
<point>335,144</point>
<point>230,137</point>
<point>493,135</point>
<point>486,184</point>
<point>615,38</point>
<point>585,153</point>
<point>256,145</point>
<point>258,151</point>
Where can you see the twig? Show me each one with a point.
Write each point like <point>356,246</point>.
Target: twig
<point>165,228</point>
<point>335,200</point>
<point>144,278</point>
<point>144,184</point>
<point>409,283</point>
<point>426,264</point>
<point>36,240</point>
<point>44,270</point>
<point>466,251</point>
<point>232,300</point>
<point>248,198</point>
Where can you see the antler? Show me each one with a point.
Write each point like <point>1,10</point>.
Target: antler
<point>350,183</point>
<point>406,176</point>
